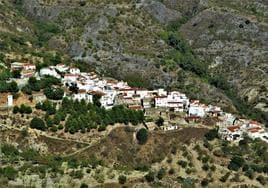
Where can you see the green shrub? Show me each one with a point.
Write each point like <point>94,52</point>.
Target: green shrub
<point>150,176</point>
<point>161,173</point>
<point>236,163</point>
<point>8,172</point>
<point>38,123</point>
<point>142,136</point>
<point>122,179</point>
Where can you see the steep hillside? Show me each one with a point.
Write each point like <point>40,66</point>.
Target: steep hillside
<point>233,41</point>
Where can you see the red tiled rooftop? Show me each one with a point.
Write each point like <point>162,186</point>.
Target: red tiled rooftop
<point>135,107</point>
<point>233,128</point>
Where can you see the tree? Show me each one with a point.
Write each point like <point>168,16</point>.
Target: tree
<point>13,87</point>
<point>83,185</point>
<point>204,182</point>
<point>96,100</point>
<point>236,163</point>
<point>142,136</point>
<point>54,93</point>
<point>16,109</point>
<point>212,134</point>
<point>27,90</point>
<point>159,122</point>
<point>25,109</point>
<point>38,123</point>
<point>16,74</point>
<point>122,179</point>
<point>5,74</point>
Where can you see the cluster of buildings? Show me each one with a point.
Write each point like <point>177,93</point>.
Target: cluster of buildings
<point>27,70</point>
<point>112,92</point>
<point>83,86</point>
<point>233,129</point>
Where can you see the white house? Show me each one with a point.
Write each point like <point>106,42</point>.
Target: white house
<point>27,73</point>
<point>85,86</point>
<point>83,95</point>
<point>231,133</point>
<point>161,92</point>
<point>160,101</point>
<point>62,67</point>
<point>26,69</point>
<point>142,92</point>
<point>21,66</point>
<point>49,71</point>
<point>70,78</point>
<point>108,100</point>
<point>177,101</point>
<point>196,110</point>
<point>128,92</point>
<point>74,70</point>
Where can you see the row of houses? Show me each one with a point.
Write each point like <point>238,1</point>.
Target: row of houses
<point>83,86</point>
<point>27,70</point>
<point>113,92</point>
<point>234,129</point>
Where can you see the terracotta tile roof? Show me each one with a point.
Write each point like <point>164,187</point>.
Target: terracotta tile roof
<point>135,107</point>
<point>82,91</point>
<point>233,128</point>
<point>98,93</point>
<point>160,97</point>
<point>254,129</point>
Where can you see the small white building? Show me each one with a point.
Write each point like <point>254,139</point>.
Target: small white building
<point>83,95</point>
<point>74,70</point>
<point>161,101</point>
<point>22,66</point>
<point>62,68</point>
<point>231,133</point>
<point>49,71</point>
<point>161,92</point>
<point>70,78</point>
<point>9,100</point>
<point>196,110</point>
<point>107,101</point>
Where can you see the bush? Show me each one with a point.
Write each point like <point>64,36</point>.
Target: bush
<point>159,122</point>
<point>8,172</point>
<point>142,136</point>
<point>261,179</point>
<point>122,179</point>
<point>182,163</point>
<point>161,173</point>
<point>9,150</point>
<point>83,185</point>
<point>171,171</point>
<point>150,176</point>
<point>249,173</point>
<point>225,177</point>
<point>204,182</point>
<point>38,123</point>
<point>205,167</point>
<point>77,174</point>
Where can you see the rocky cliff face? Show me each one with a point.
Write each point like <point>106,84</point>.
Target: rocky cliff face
<point>121,38</point>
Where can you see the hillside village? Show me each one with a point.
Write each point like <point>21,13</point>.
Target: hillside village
<point>157,103</point>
